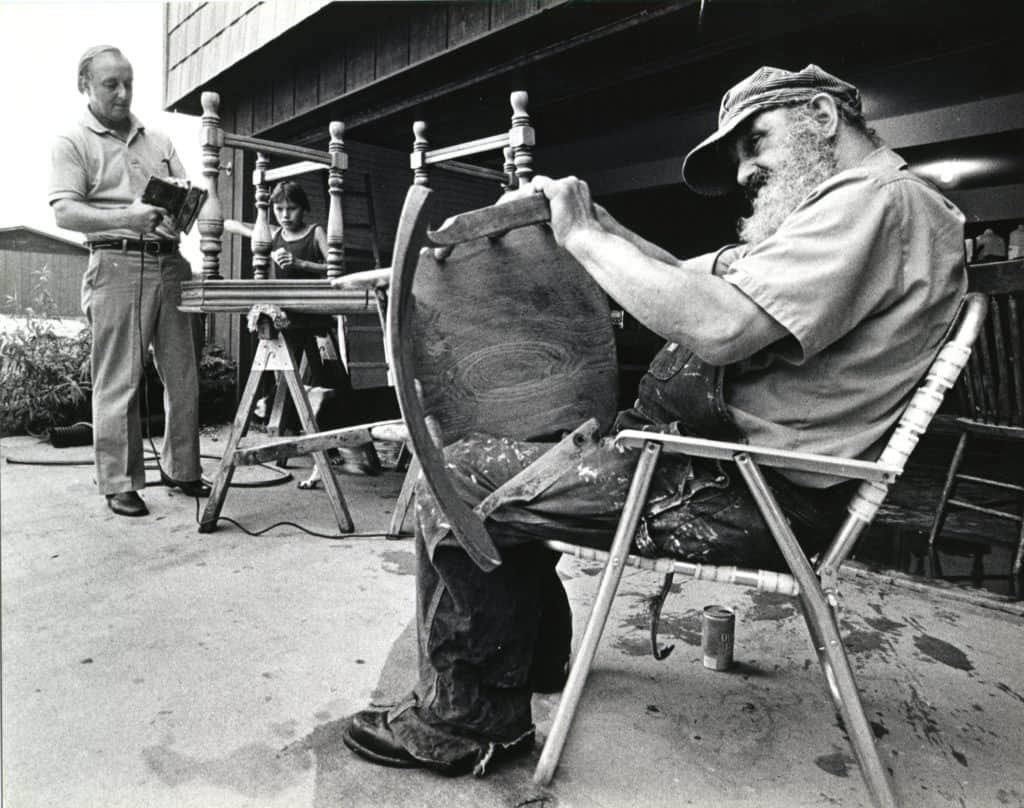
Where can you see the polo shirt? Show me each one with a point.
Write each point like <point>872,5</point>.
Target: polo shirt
<point>93,164</point>
<point>865,275</point>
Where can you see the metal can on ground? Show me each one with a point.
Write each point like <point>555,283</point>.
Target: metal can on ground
<point>717,629</point>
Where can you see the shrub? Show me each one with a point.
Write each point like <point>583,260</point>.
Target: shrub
<point>45,380</point>
<point>44,377</point>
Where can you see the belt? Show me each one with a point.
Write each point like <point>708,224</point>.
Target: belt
<point>148,246</point>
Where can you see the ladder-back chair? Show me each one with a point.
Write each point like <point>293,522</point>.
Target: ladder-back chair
<point>991,405</point>
<point>516,145</point>
<point>288,316</point>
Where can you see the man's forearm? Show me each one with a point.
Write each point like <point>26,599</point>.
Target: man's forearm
<point>678,300</point>
<point>72,214</point>
<point>611,224</point>
<point>82,217</point>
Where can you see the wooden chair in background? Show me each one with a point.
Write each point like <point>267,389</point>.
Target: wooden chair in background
<point>991,402</point>
<point>516,145</point>
<point>287,315</point>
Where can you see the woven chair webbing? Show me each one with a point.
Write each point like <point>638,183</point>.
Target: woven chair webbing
<point>915,419</point>
<point>764,580</point>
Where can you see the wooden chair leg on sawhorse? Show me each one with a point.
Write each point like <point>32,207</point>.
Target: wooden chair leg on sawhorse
<point>277,351</point>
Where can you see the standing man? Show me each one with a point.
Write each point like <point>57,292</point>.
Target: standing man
<point>131,289</point>
<point>811,335</point>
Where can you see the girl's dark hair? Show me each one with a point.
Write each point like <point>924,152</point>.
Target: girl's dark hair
<point>289,191</point>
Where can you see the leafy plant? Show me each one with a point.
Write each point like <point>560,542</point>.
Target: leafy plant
<point>44,377</point>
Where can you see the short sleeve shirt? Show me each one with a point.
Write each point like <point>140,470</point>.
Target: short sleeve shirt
<point>865,275</point>
<point>93,164</point>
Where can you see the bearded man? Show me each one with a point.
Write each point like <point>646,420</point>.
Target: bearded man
<point>811,335</point>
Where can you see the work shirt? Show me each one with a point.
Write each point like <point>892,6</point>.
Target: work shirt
<point>865,275</point>
<point>93,164</point>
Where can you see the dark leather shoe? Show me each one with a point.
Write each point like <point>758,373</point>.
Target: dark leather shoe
<point>194,488</point>
<point>127,503</point>
<point>369,735</point>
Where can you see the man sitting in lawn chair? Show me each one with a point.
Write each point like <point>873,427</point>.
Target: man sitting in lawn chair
<point>810,335</point>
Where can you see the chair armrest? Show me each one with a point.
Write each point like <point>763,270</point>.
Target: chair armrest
<point>777,458</point>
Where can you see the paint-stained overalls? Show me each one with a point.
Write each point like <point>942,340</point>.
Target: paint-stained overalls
<point>488,640</point>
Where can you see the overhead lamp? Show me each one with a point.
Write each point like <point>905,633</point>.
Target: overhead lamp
<point>950,172</point>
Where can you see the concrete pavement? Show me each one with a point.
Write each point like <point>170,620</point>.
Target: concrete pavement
<point>145,664</point>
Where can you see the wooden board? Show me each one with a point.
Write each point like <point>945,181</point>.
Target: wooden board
<point>512,337</point>
<point>507,335</point>
<point>305,296</point>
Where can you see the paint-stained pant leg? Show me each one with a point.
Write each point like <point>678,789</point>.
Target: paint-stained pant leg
<point>486,638</point>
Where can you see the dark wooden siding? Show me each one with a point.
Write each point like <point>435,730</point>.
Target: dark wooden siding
<point>362,42</point>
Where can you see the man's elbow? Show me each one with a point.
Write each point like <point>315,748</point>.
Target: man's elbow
<point>722,345</point>
<point>718,354</point>
<point>62,214</point>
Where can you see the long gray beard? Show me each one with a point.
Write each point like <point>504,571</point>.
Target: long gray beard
<point>811,161</point>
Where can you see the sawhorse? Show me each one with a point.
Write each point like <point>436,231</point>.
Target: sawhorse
<point>283,339</point>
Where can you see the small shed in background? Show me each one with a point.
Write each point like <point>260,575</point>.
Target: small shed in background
<point>31,259</point>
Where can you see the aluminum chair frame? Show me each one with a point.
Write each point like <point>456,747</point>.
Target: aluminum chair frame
<point>815,587</point>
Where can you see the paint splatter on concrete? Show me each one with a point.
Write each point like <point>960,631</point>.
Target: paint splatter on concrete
<point>837,764</point>
<point>860,641</point>
<point>942,651</point>
<point>684,627</point>
<point>884,624</point>
<point>399,562</point>
<point>256,770</point>
<point>771,606</point>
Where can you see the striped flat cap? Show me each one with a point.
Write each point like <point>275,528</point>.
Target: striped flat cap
<point>706,170</point>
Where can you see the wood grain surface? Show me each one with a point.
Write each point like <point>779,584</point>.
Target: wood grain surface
<point>512,337</point>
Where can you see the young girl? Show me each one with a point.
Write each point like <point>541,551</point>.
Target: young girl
<point>299,250</point>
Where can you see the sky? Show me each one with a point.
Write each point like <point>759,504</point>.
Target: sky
<point>40,44</point>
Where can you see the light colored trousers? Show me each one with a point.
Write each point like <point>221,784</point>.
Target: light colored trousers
<point>129,309</point>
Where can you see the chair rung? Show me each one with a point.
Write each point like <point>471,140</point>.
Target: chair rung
<point>994,483</point>
<point>764,580</point>
<point>981,509</point>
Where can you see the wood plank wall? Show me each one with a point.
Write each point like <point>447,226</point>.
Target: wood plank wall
<point>19,276</point>
<point>374,42</point>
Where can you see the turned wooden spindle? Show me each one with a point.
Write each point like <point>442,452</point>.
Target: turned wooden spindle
<point>509,168</point>
<point>418,158</point>
<point>521,137</point>
<point>261,237</point>
<point>335,187</point>
<point>211,216</point>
